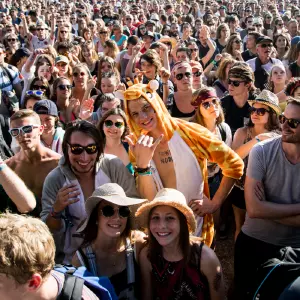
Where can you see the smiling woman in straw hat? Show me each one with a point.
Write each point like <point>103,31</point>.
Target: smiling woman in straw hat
<point>263,124</point>
<point>110,247</point>
<point>174,264</point>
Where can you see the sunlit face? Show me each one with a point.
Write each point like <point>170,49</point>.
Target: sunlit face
<point>142,113</point>
<point>106,67</point>
<point>49,124</point>
<point>165,226</point>
<point>241,89</point>
<point>114,132</point>
<point>186,82</point>
<point>45,71</point>
<point>114,226</point>
<point>62,68</point>
<point>106,106</point>
<point>278,75</point>
<point>281,42</point>
<point>148,68</point>
<point>209,109</point>
<point>108,85</point>
<point>28,141</point>
<point>87,52</point>
<point>290,135</point>
<point>250,43</point>
<point>87,35</point>
<point>83,163</point>
<point>260,120</point>
<point>80,76</point>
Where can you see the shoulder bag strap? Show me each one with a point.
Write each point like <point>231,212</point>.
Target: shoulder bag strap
<point>72,289</point>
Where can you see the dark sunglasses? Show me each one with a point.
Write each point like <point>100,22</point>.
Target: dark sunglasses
<point>197,74</point>
<point>281,24</point>
<point>64,87</point>
<point>293,123</point>
<point>257,25</point>
<point>238,41</point>
<point>62,31</point>
<point>11,40</point>
<point>39,87</point>
<point>78,149</point>
<point>76,74</point>
<point>128,19</point>
<point>108,211</point>
<point>142,28</point>
<point>268,17</point>
<point>194,50</point>
<point>103,32</point>
<point>110,123</point>
<point>235,83</point>
<point>14,132</point>
<point>258,111</point>
<point>180,75</point>
<point>213,102</point>
<point>40,29</point>
<point>266,45</point>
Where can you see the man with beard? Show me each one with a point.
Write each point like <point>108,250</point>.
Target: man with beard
<point>81,170</point>
<point>272,197</point>
<point>34,162</point>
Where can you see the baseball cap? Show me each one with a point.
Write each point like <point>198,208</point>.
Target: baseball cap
<point>61,58</point>
<point>45,107</point>
<point>263,39</point>
<point>295,40</point>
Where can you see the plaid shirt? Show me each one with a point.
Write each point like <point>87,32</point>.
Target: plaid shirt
<point>7,82</point>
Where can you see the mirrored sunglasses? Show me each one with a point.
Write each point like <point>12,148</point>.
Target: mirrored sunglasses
<point>78,149</point>
<point>109,124</point>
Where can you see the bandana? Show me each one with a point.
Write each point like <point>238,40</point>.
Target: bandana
<point>198,97</point>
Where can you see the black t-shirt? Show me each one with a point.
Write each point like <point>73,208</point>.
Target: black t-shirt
<point>295,69</point>
<point>236,117</point>
<point>246,55</point>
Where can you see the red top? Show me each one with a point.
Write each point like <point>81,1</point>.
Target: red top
<point>175,280</point>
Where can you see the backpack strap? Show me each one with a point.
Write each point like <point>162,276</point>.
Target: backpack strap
<point>222,131</point>
<point>72,289</point>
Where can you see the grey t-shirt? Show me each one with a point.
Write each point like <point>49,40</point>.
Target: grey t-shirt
<point>281,180</point>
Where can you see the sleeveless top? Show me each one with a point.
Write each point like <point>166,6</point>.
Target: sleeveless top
<point>241,182</point>
<point>175,112</point>
<point>177,280</point>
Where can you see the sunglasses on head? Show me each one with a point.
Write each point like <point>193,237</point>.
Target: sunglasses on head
<point>180,75</point>
<point>37,93</point>
<point>259,111</point>
<point>197,74</point>
<point>78,149</point>
<point>14,132</point>
<point>39,87</point>
<point>235,83</point>
<point>108,211</point>
<point>208,104</point>
<point>293,123</point>
<point>64,87</point>
<point>266,45</point>
<point>110,123</point>
<point>76,74</point>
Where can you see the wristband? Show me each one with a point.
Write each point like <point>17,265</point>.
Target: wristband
<point>214,62</point>
<point>145,173</point>
<point>3,166</point>
<point>142,170</point>
<point>257,139</point>
<point>54,214</point>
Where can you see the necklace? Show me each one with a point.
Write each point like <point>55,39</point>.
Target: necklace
<point>47,145</point>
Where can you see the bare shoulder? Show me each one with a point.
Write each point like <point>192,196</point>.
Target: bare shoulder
<point>13,161</point>
<point>51,155</point>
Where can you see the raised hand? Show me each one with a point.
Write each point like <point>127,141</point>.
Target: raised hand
<point>143,149</point>
<point>86,109</point>
<point>66,195</point>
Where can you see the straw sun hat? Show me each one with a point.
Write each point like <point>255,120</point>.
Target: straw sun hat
<point>267,98</point>
<point>111,192</point>
<point>169,197</point>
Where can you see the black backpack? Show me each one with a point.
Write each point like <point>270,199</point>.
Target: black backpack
<point>276,274</point>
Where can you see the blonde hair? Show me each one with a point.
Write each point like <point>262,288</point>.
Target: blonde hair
<point>26,247</point>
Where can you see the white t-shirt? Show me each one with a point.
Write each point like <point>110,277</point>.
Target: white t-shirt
<point>41,44</point>
<point>267,67</point>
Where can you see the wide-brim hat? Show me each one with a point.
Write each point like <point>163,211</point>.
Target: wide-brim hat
<point>267,98</point>
<point>169,197</point>
<point>167,39</point>
<point>111,192</point>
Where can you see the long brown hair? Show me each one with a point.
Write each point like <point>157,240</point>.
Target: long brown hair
<point>272,124</point>
<point>155,249</point>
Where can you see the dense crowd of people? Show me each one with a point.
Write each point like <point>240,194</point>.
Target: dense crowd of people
<point>136,134</point>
